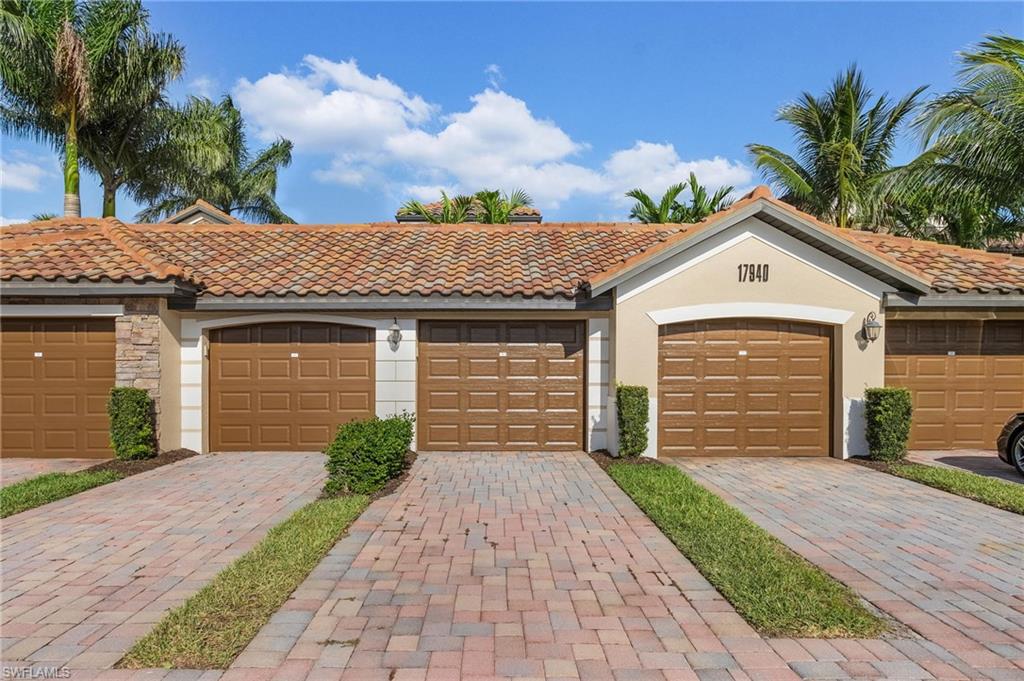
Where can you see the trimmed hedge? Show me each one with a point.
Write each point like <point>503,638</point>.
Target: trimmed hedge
<point>132,431</point>
<point>888,412</point>
<point>631,405</point>
<point>366,454</point>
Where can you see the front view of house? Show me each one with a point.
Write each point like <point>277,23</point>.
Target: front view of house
<point>755,331</point>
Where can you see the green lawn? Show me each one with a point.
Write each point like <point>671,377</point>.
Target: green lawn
<point>42,489</point>
<point>212,627</point>
<point>775,590</point>
<point>1008,496</point>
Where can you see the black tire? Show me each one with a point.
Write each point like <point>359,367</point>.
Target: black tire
<point>1015,450</point>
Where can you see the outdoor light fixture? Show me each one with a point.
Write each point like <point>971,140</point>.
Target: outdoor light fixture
<point>872,327</point>
<point>395,335</point>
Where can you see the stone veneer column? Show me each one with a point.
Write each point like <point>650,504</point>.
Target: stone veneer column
<point>137,357</point>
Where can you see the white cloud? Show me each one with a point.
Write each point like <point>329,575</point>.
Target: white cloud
<point>204,86</point>
<point>653,167</point>
<point>5,221</point>
<point>379,134</point>
<point>494,76</point>
<point>21,175</point>
<point>333,105</point>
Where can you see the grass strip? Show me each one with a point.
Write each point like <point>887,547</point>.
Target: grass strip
<point>212,627</point>
<point>774,589</point>
<point>1003,494</point>
<point>42,489</point>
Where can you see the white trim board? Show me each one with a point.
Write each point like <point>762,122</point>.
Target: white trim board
<point>753,228</point>
<point>62,310</point>
<point>807,313</point>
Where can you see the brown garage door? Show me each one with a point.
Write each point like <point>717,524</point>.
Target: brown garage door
<point>287,386</point>
<point>737,387</point>
<point>500,385</point>
<point>55,379</point>
<point>966,377</point>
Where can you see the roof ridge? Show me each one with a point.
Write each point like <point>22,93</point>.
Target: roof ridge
<point>408,227</point>
<point>126,240</point>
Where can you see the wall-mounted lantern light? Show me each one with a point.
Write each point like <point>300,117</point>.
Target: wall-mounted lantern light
<point>394,335</point>
<point>872,327</point>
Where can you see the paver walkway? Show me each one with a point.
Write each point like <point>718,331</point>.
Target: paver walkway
<point>980,461</point>
<point>503,565</point>
<point>15,469</point>
<point>950,569</point>
<point>87,576</point>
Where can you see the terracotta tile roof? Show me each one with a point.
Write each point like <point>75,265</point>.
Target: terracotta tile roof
<point>951,268</point>
<point>75,249</point>
<point>385,259</point>
<point>551,260</point>
<point>202,212</point>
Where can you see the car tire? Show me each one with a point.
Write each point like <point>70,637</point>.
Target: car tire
<point>1015,450</point>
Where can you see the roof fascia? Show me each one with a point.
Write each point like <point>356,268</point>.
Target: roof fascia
<point>397,303</point>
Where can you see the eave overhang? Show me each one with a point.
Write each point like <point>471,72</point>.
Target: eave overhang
<point>413,303</point>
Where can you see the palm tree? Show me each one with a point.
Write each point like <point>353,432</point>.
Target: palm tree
<point>646,210</point>
<point>497,208</point>
<point>154,145</point>
<point>63,64</point>
<point>844,143</point>
<point>245,185</point>
<point>669,209</point>
<point>451,211</point>
<point>976,132</point>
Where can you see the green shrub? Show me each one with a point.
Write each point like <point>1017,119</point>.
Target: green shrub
<point>631,404</point>
<point>132,431</point>
<point>888,412</point>
<point>366,454</point>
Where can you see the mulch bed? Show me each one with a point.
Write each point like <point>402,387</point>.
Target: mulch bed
<point>128,468</point>
<point>603,459</point>
<point>882,466</point>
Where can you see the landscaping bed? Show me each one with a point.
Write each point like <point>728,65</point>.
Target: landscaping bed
<point>775,590</point>
<point>50,487</point>
<point>1008,496</point>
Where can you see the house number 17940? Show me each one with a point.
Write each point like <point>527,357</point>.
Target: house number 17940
<point>752,273</point>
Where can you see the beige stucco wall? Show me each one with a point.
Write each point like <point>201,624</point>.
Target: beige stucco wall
<point>170,378</point>
<point>799,275</point>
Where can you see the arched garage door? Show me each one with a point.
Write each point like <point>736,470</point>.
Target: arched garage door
<point>287,386</point>
<point>744,387</point>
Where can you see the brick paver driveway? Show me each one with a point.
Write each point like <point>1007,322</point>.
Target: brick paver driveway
<point>506,565</point>
<point>980,461</point>
<point>950,569</point>
<point>85,577</point>
<point>15,469</point>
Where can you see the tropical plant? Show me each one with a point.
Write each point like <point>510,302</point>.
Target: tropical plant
<point>449,211</point>
<point>975,163</point>
<point>496,207</point>
<point>153,145</point>
<point>844,144</point>
<point>65,65</point>
<point>43,217</point>
<point>669,209</point>
<point>245,185</point>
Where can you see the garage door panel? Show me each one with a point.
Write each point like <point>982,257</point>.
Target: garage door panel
<point>500,385</point>
<point>55,380</point>
<point>965,376</point>
<point>288,386</point>
<point>759,388</point>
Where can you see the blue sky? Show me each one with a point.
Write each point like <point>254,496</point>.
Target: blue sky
<point>575,102</point>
